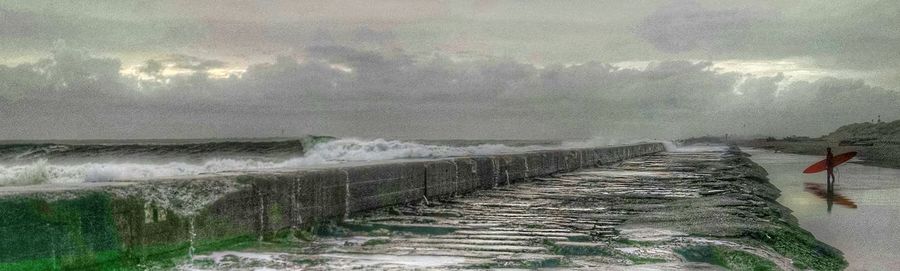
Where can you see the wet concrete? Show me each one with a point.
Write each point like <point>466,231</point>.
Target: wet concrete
<point>131,224</point>
<point>707,209</point>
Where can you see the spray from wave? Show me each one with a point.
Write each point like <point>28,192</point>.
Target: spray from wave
<point>320,152</point>
<point>334,151</point>
<point>602,141</point>
<point>380,149</point>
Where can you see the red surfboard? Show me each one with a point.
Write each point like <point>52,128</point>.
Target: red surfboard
<point>837,160</point>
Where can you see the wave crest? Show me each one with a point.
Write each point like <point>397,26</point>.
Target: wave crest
<point>334,151</point>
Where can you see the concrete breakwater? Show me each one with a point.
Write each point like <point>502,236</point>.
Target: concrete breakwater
<point>122,224</point>
<point>696,208</point>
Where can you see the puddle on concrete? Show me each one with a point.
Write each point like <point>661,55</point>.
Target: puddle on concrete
<point>412,261</point>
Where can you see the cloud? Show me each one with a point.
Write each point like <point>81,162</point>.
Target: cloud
<point>367,34</point>
<point>844,35</point>
<point>347,92</point>
<point>859,35</point>
<point>17,24</point>
<point>68,74</point>
<point>193,63</point>
<point>686,25</point>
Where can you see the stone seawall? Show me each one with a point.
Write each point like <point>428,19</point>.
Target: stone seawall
<point>125,223</point>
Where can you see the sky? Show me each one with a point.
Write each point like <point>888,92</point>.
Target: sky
<point>118,69</point>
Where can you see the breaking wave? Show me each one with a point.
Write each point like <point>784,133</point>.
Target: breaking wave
<point>334,151</point>
<point>180,150</point>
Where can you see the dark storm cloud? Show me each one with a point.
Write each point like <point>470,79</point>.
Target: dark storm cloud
<point>73,95</point>
<point>232,29</point>
<point>840,34</point>
<point>24,29</point>
<point>69,74</point>
<point>687,25</point>
<point>367,34</point>
<point>857,35</point>
<point>17,24</point>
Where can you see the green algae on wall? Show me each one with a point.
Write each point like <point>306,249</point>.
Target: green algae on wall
<point>802,247</point>
<point>66,233</point>
<point>725,257</point>
<point>94,231</point>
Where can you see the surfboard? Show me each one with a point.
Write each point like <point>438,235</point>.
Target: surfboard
<point>836,160</point>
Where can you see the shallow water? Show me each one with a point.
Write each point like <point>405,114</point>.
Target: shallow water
<point>869,235</point>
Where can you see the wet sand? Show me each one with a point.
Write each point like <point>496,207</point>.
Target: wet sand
<point>867,234</point>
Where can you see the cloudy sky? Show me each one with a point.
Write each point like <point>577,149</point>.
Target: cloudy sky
<point>444,69</point>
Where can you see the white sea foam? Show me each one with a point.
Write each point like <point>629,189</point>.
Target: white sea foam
<point>351,149</point>
<point>34,173</point>
<point>700,148</point>
<point>335,151</point>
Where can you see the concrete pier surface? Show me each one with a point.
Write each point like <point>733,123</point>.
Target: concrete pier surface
<point>158,223</point>
<point>706,208</point>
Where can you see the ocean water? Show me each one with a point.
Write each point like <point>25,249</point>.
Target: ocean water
<point>30,163</point>
<point>863,219</point>
<point>40,163</point>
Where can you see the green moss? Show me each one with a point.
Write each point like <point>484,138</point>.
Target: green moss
<point>305,235</point>
<point>424,230</point>
<point>376,241</point>
<point>643,260</point>
<point>725,257</point>
<point>203,263</point>
<point>544,263</point>
<point>629,242</point>
<point>275,213</point>
<point>329,228</point>
<point>59,264</point>
<point>95,232</point>
<point>311,233</point>
<point>70,233</point>
<point>801,247</point>
<point>593,249</point>
<point>168,256</point>
<point>576,250</point>
<point>530,264</point>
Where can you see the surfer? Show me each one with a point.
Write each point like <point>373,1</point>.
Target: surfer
<point>829,166</point>
<point>831,161</point>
